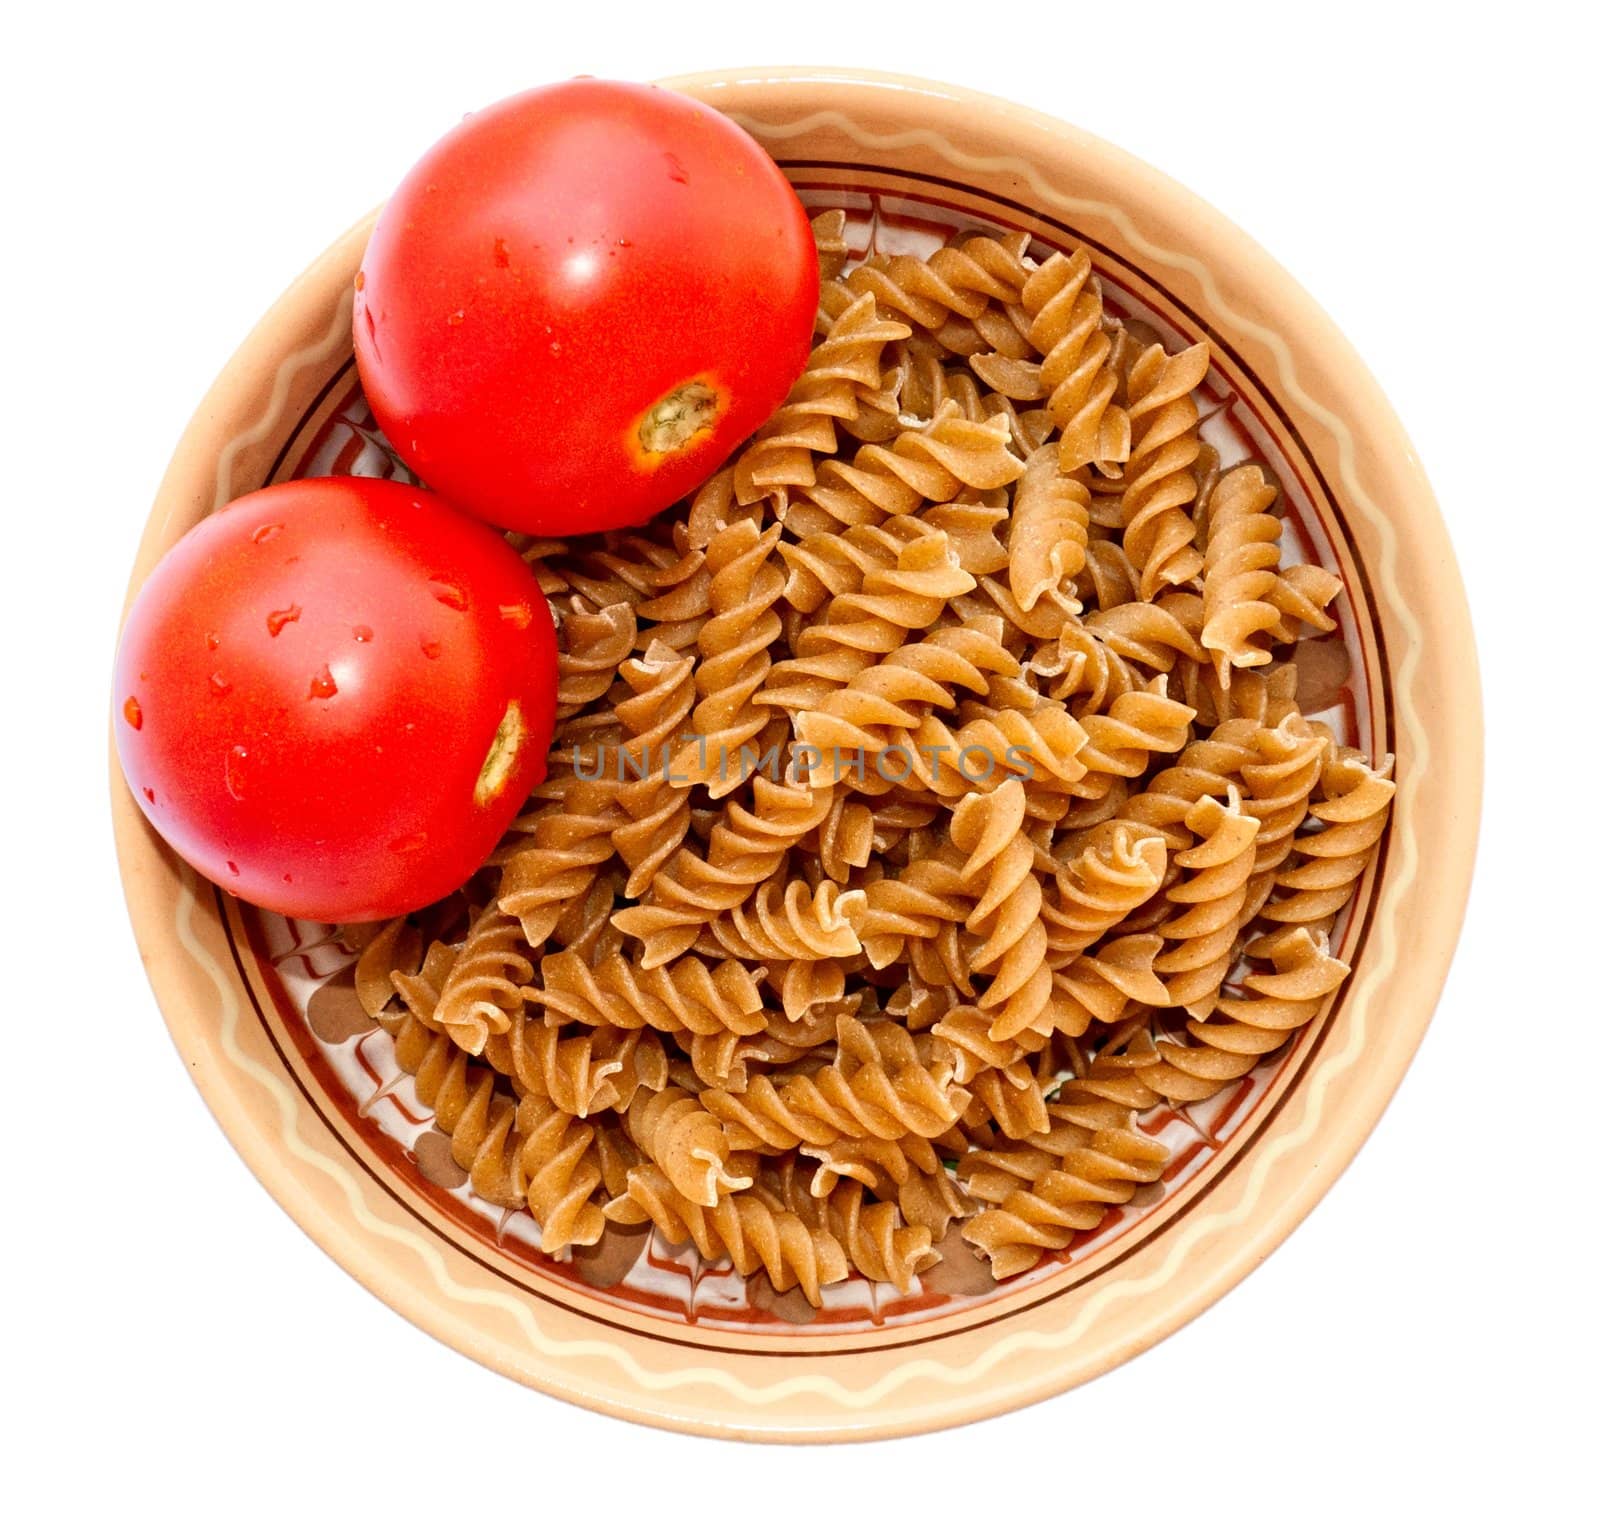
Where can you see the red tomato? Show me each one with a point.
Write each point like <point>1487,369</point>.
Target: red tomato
<point>332,697</point>
<point>580,302</point>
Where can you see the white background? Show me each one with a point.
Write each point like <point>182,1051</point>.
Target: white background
<point>1426,1337</point>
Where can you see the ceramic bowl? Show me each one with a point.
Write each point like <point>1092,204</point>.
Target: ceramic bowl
<point>264,1014</point>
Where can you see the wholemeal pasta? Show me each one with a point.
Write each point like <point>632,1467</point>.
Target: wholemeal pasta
<point>930,809</point>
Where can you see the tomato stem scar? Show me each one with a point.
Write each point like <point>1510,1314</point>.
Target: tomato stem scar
<point>678,417</point>
<point>502,755</point>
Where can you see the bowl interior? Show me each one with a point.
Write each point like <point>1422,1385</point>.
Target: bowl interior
<point>304,975</point>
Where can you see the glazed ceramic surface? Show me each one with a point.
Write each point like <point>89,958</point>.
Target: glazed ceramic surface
<point>264,1011</point>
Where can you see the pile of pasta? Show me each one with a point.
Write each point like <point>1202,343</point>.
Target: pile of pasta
<point>1074,853</point>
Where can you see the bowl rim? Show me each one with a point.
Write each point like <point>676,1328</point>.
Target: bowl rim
<point>1451,713</point>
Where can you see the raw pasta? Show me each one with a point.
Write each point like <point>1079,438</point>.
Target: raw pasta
<point>929,803</point>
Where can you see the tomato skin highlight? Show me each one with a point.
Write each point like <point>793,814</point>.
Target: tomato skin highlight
<point>556,267</point>
<point>308,687</point>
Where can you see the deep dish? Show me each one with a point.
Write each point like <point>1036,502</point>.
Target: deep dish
<point>1358,499</point>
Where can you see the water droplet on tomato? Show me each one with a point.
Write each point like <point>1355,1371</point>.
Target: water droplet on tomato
<point>412,842</point>
<point>624,242</point>
<point>455,318</point>
<point>219,686</point>
<point>133,713</point>
<point>267,533</point>
<point>519,615</point>
<point>232,867</point>
<point>675,169</point>
<point>233,770</point>
<point>213,642</point>
<point>362,634</point>
<point>278,620</point>
<point>150,795</point>
<point>322,685</point>
<point>555,350</point>
<point>448,594</point>
<point>430,649</point>
<point>288,879</point>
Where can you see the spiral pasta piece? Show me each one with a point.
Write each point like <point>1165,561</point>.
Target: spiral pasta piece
<point>1264,695</point>
<point>1278,785</point>
<point>951,281</point>
<point>932,463</point>
<point>792,922</point>
<point>1119,866</point>
<point>1106,985</point>
<point>582,1073</point>
<point>1241,571</point>
<point>1302,594</point>
<point>593,643</point>
<point>844,364</point>
<point>833,251</point>
<point>558,1172</point>
<point>808,987</point>
<point>1067,1181</point>
<point>460,1093</point>
<point>823,567</point>
<point>1243,1030</point>
<point>654,577</point>
<point>867,711</point>
<point>1082,671</point>
<point>654,715</point>
<point>966,1035</point>
<point>844,837</point>
<point>926,896</point>
<point>1006,917</point>
<point>1158,481</point>
<point>1155,634</point>
<point>1011,1099</point>
<point>932,380</point>
<point>686,1142</point>
<point>1139,723</point>
<point>688,995</point>
<point>877,1240</point>
<point>747,846</point>
<point>486,981</point>
<point>750,1228</point>
<point>895,599</point>
<point>877,1086</point>
<point>909,1172</point>
<point>1204,766</point>
<point>1042,747</point>
<point>1049,538</point>
<point>1215,885</point>
<point>878,1164</point>
<point>1325,866</point>
<point>1074,380</point>
<point>733,660</point>
<point>556,853</point>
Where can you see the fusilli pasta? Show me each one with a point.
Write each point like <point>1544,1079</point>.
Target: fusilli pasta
<point>931,809</point>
